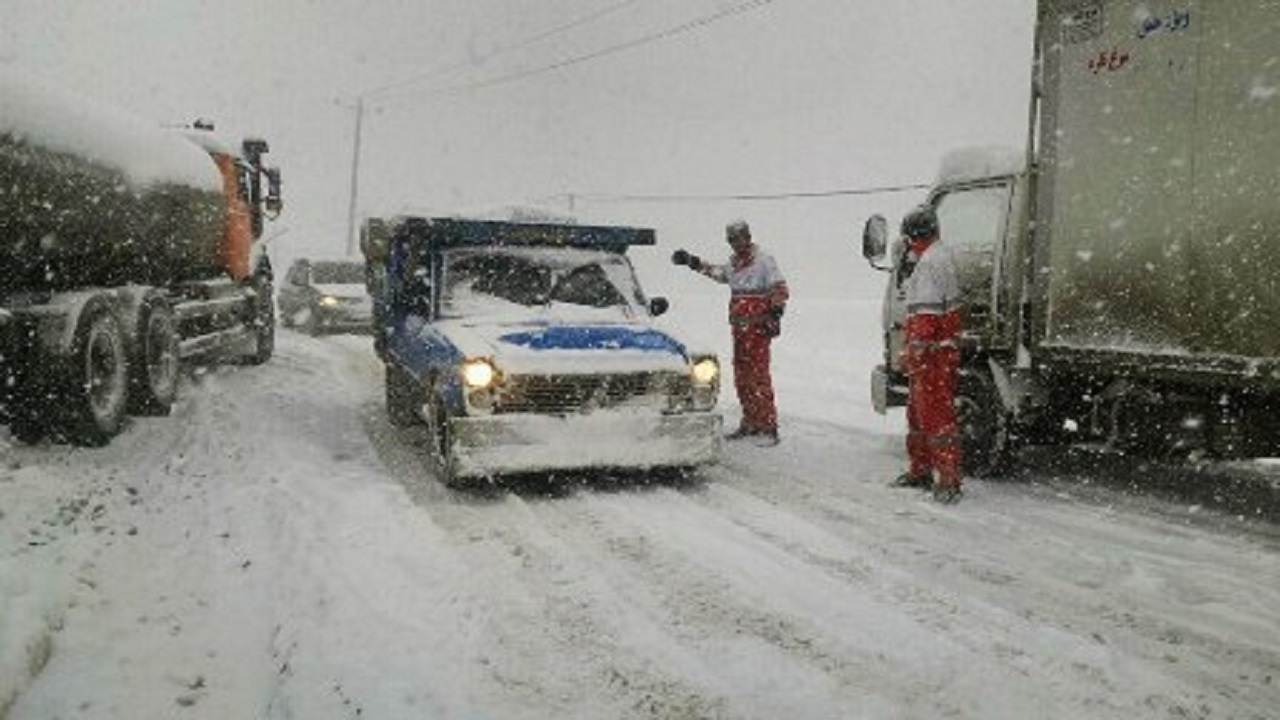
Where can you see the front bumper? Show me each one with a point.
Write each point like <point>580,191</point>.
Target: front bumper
<point>345,318</point>
<point>500,444</point>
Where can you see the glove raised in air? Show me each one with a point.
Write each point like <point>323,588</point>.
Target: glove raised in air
<point>682,257</point>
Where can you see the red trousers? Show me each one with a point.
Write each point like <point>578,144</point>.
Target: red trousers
<point>933,432</point>
<point>752,378</point>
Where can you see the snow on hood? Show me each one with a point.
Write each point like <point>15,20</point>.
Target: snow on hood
<point>343,290</point>
<point>561,347</point>
<point>146,153</point>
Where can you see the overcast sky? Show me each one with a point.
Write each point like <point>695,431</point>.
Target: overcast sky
<point>478,102</point>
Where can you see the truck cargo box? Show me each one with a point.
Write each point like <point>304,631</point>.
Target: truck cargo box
<point>1160,149</point>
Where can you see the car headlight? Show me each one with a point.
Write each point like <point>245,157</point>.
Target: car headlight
<point>478,373</point>
<point>706,371</point>
<point>327,300</point>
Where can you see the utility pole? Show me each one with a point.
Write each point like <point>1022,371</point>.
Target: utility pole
<point>355,179</point>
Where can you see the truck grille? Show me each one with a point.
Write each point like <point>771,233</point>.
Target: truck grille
<point>569,394</point>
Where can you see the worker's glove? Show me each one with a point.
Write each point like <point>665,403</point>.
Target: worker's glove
<point>682,257</point>
<point>773,323</point>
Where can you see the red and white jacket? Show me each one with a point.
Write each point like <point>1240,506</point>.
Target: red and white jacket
<point>756,285</point>
<point>933,301</point>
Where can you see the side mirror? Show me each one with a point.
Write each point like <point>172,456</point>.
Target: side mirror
<point>875,241</point>
<point>658,306</point>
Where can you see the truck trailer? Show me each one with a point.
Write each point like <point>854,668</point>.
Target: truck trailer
<point>125,249</point>
<point>1120,275</point>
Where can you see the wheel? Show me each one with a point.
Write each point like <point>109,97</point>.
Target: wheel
<point>442,443</point>
<point>263,322</point>
<point>28,427</point>
<point>154,368</point>
<point>986,441</point>
<point>96,397</point>
<point>31,415</point>
<point>402,397</point>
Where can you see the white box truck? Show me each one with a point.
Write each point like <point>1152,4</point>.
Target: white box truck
<point>1122,276</point>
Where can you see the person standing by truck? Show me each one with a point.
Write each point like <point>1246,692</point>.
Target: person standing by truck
<point>932,359</point>
<point>758,298</point>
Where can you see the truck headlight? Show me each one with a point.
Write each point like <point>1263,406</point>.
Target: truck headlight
<point>705,390</point>
<point>327,300</point>
<point>478,373</point>
<point>706,371</point>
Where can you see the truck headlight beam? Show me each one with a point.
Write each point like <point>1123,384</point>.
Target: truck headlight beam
<point>706,371</point>
<point>478,373</point>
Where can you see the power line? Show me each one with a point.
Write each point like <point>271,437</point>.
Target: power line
<point>610,50</point>
<point>749,197</point>
<point>502,50</point>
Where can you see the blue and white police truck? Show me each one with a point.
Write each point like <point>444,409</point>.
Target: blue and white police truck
<point>530,347</point>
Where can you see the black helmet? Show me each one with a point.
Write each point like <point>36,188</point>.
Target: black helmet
<point>920,222</point>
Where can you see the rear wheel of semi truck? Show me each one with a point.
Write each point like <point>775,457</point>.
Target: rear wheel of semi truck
<point>97,391</point>
<point>27,424</point>
<point>153,385</point>
<point>30,411</point>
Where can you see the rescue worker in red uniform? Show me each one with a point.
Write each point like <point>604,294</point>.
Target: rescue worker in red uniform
<point>932,359</point>
<point>757,301</point>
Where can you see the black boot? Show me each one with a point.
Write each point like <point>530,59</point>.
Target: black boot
<point>907,480</point>
<point>947,494</point>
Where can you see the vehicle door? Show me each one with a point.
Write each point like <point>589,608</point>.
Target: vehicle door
<point>293,295</point>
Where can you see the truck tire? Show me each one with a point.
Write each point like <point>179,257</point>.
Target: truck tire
<point>986,440</point>
<point>30,413</point>
<point>264,323</point>
<point>442,444</point>
<point>153,381</point>
<point>402,397</point>
<point>28,426</point>
<point>97,390</point>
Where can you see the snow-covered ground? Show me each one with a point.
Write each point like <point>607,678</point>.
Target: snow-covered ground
<point>276,549</point>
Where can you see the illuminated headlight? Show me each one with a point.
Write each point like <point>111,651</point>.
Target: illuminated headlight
<point>478,373</point>
<point>328,300</point>
<point>706,371</point>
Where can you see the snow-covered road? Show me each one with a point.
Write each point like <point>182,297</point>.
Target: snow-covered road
<point>277,550</point>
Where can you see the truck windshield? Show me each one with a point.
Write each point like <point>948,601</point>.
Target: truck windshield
<point>487,281</point>
<point>973,219</point>
<point>972,222</point>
